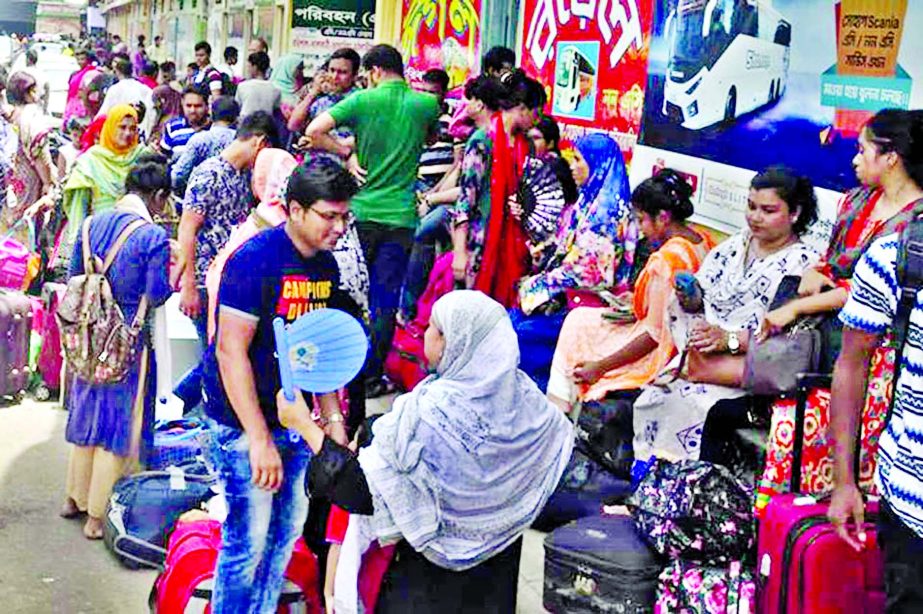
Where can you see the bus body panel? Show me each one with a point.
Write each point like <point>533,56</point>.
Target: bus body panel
<point>736,72</point>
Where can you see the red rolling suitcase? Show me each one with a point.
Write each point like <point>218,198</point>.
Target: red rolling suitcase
<point>803,565</point>
<point>186,584</point>
<point>15,333</point>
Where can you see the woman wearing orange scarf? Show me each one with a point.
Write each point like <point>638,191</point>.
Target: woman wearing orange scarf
<point>604,350</point>
<point>490,251</point>
<point>97,180</point>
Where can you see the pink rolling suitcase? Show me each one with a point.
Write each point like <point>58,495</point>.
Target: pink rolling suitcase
<point>51,359</point>
<point>803,566</point>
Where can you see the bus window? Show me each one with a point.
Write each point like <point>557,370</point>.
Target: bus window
<point>783,34</point>
<point>746,19</point>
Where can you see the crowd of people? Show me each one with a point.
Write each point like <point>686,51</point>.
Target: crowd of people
<point>269,193</point>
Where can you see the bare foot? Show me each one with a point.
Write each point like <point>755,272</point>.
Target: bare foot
<point>69,509</point>
<point>93,529</point>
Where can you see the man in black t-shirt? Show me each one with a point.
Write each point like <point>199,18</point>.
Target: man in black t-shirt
<point>283,272</point>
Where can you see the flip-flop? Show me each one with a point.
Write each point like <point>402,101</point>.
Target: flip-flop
<point>93,535</point>
<point>69,512</point>
<point>379,388</point>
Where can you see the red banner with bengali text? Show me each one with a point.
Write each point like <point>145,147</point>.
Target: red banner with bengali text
<point>591,55</point>
<point>441,34</point>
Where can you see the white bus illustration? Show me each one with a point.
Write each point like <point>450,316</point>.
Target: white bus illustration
<point>727,58</point>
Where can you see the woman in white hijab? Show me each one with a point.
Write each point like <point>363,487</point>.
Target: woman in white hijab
<point>456,472</point>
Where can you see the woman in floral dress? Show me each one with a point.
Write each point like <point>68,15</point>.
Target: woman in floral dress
<point>594,246</point>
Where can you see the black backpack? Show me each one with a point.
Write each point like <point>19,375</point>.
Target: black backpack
<point>910,282</point>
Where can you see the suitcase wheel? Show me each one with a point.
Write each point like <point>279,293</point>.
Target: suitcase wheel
<point>42,393</point>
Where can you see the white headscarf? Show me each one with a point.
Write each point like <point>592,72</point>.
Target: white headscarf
<point>463,464</point>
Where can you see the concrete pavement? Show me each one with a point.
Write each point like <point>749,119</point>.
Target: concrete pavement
<point>46,565</point>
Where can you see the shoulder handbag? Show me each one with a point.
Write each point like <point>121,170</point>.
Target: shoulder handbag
<point>720,369</point>
<point>771,367</point>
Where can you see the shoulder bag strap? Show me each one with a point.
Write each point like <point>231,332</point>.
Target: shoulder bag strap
<point>909,281</point>
<point>119,242</point>
<point>88,263</point>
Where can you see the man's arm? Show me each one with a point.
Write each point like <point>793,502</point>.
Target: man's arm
<point>319,133</point>
<point>189,226</point>
<point>847,399</point>
<point>235,333</point>
<point>868,314</point>
<point>182,168</point>
<point>299,116</point>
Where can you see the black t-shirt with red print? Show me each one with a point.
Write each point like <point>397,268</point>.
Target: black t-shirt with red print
<point>267,278</point>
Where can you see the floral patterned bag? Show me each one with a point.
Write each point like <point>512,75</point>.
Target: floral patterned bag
<point>691,588</point>
<point>694,510</point>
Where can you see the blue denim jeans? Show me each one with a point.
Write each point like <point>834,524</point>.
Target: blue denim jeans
<point>386,250</point>
<point>261,528</point>
<point>433,229</point>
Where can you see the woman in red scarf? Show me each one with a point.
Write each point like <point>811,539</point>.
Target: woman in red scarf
<point>75,106</point>
<point>490,251</point>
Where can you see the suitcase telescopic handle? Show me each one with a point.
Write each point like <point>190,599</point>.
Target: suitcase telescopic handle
<point>806,382</point>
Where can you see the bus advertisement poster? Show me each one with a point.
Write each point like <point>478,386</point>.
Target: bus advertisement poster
<point>592,56</point>
<point>752,83</point>
<point>441,34</point>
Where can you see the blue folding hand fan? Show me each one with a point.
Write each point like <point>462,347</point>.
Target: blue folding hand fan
<point>320,352</point>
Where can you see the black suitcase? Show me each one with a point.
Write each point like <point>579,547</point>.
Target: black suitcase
<point>600,564</point>
<point>15,333</point>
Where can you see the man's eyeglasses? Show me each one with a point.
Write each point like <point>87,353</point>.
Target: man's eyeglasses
<point>332,217</point>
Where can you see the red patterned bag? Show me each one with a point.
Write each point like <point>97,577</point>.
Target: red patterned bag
<point>817,459</point>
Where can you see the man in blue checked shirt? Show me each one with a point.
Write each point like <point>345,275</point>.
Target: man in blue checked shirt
<point>178,131</point>
<point>207,143</point>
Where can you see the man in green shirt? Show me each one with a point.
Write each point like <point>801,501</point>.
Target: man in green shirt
<point>391,124</point>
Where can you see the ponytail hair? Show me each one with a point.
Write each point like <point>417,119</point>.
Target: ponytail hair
<point>666,191</point>
<point>148,176</point>
<point>901,132</point>
<point>797,191</point>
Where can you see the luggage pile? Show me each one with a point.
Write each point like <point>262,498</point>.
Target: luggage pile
<point>165,518</point>
<point>687,541</point>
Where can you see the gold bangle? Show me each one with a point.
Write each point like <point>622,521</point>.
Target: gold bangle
<point>334,418</point>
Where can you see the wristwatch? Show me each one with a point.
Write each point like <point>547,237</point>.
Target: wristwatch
<point>733,342</point>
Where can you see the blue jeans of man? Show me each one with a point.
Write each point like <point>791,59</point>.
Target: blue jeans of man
<point>386,249</point>
<point>433,228</point>
<point>261,528</point>
<point>189,389</point>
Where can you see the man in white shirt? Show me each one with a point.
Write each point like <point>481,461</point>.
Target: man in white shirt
<point>231,66</point>
<point>258,94</point>
<point>41,83</point>
<point>118,46</point>
<point>158,52</point>
<point>129,90</point>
